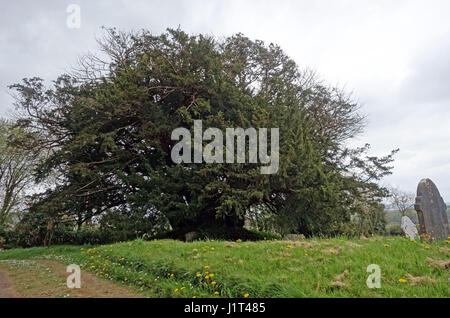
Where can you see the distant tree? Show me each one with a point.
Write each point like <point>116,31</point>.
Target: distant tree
<point>16,168</point>
<point>402,200</point>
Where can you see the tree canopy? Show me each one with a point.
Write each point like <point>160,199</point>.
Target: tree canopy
<point>106,131</point>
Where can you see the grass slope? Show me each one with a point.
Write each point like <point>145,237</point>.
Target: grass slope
<point>310,268</point>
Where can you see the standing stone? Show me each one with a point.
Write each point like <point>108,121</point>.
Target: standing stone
<point>431,210</point>
<point>409,228</point>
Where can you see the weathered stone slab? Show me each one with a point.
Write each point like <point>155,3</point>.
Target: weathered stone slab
<point>409,228</point>
<point>431,210</point>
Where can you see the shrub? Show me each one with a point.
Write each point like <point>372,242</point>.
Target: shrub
<point>223,233</point>
<point>394,230</point>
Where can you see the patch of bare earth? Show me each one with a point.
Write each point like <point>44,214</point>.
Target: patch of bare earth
<point>335,250</point>
<point>438,262</point>
<point>48,279</point>
<point>414,280</point>
<point>91,285</point>
<point>445,250</point>
<point>362,237</point>
<point>231,244</point>
<point>338,280</point>
<point>304,244</point>
<point>6,288</point>
<point>351,244</point>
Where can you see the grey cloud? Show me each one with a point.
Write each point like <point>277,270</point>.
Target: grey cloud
<point>430,74</point>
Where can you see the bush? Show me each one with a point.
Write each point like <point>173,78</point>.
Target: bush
<point>394,230</point>
<point>34,230</point>
<point>8,238</point>
<point>86,235</point>
<point>223,233</point>
<point>30,233</point>
<point>2,243</point>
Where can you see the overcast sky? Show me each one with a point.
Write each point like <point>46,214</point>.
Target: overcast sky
<point>393,55</point>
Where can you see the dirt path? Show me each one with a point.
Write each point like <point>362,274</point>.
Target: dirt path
<point>91,285</point>
<point>44,279</point>
<point>6,289</point>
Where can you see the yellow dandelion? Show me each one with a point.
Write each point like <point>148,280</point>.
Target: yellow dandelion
<point>207,277</point>
<point>212,248</point>
<point>401,280</point>
<point>238,240</point>
<point>176,290</point>
<point>213,283</point>
<point>306,254</point>
<point>194,296</point>
<point>199,275</point>
<point>182,288</point>
<point>211,275</point>
<point>246,295</point>
<point>206,267</point>
<point>331,251</point>
<point>216,293</point>
<point>171,275</point>
<point>386,245</point>
<point>427,247</point>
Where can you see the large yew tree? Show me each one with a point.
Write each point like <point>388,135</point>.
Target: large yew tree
<point>107,130</point>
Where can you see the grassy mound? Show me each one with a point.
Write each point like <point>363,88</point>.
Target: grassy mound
<point>308,268</point>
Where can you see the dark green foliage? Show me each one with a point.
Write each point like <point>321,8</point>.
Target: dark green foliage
<point>108,128</point>
<point>125,226</point>
<point>394,230</point>
<point>222,233</point>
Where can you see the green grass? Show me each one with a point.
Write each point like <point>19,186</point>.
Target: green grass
<point>167,268</point>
